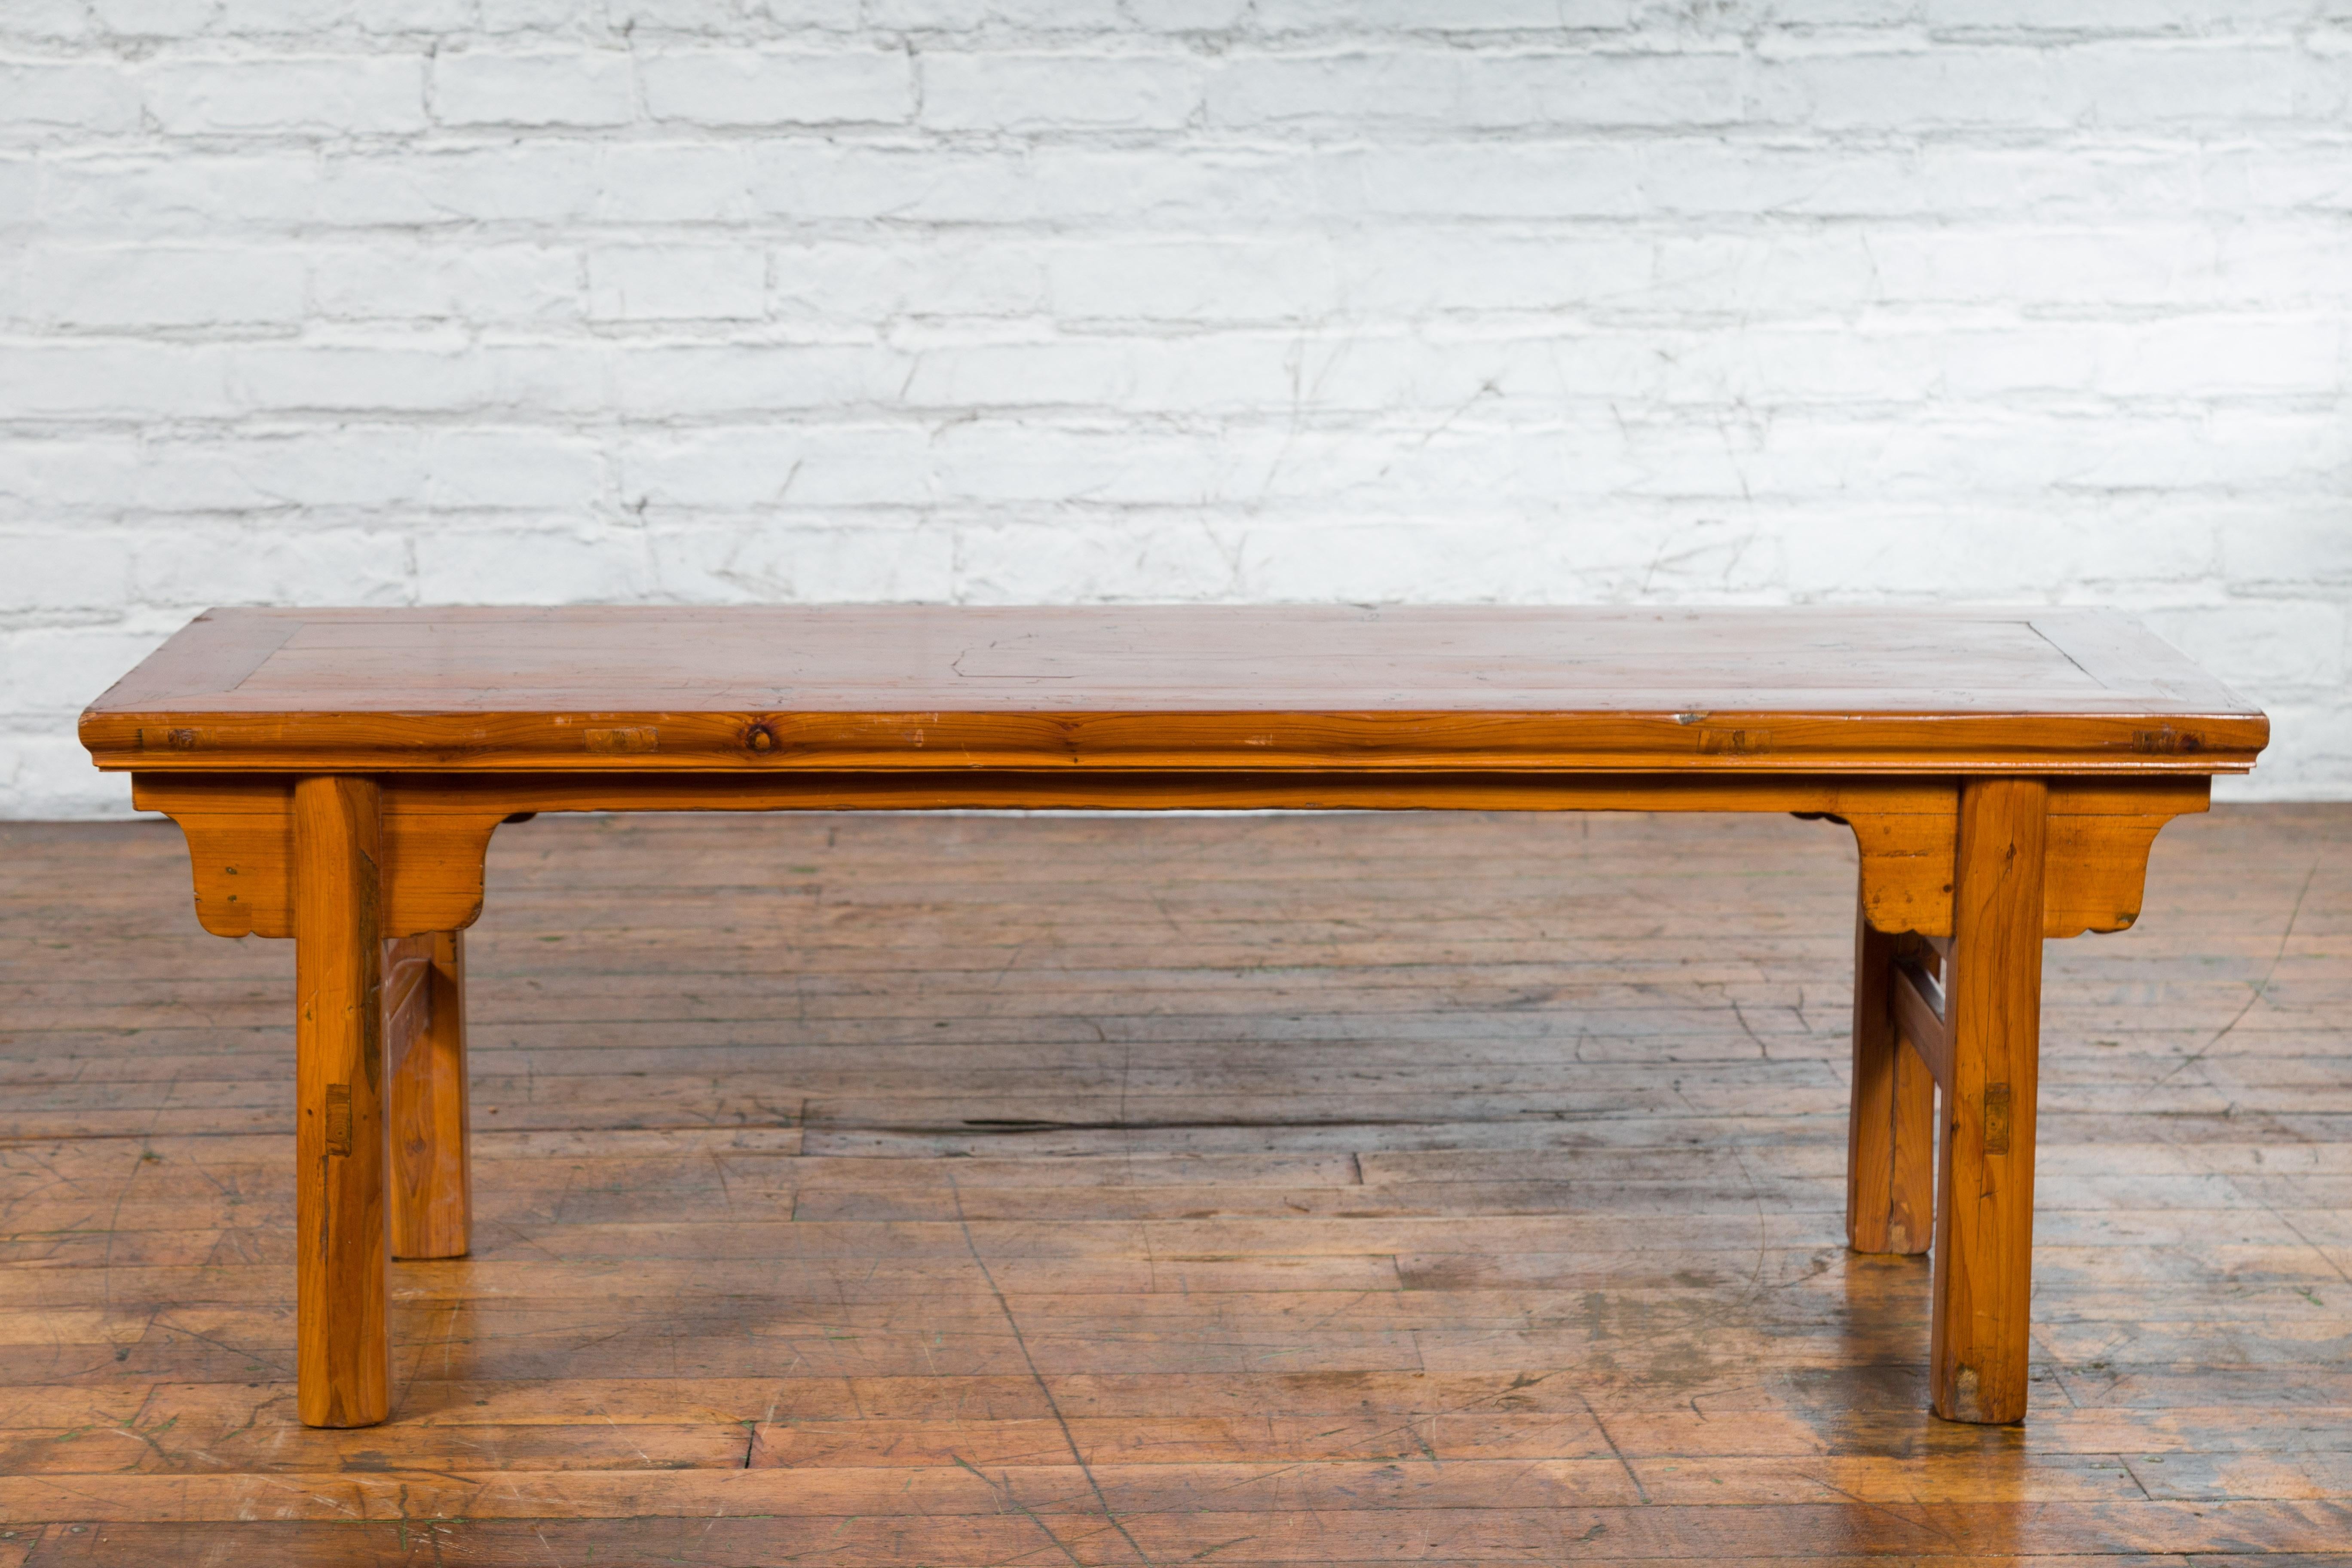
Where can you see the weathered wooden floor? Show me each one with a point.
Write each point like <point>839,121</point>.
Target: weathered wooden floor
<point>865,1190</point>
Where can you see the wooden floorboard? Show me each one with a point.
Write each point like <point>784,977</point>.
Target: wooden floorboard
<point>1355,1188</point>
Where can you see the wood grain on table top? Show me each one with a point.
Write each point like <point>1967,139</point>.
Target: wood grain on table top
<point>1516,686</point>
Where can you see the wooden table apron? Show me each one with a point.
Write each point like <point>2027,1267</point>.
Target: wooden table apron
<point>366,846</point>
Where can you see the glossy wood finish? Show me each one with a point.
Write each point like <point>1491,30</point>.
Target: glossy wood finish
<point>779,691</point>
<point>1984,1186</point>
<point>339,1137</point>
<point>438,726</point>
<point>1410,1188</point>
<point>432,1179</point>
<point>1916,1002</point>
<point>1891,1128</point>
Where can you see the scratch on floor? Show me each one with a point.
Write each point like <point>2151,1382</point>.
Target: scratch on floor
<point>1043,1388</point>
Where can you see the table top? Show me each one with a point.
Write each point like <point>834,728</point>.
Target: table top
<point>1872,691</point>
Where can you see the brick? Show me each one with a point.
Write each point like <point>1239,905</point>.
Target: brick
<point>734,87</point>
<point>2280,550</point>
<point>450,281</point>
<point>1994,452</point>
<point>993,460</point>
<point>286,559</point>
<point>1683,89</point>
<point>395,375</point>
<point>1214,187</point>
<point>769,561</point>
<point>1743,276</point>
<point>77,571</point>
<point>1801,18</point>
<point>38,96</point>
<point>2308,181</point>
<point>2282,644</point>
<point>1429,269</point>
<point>2134,550</point>
<point>294,96</point>
<point>1503,181</point>
<point>514,16</point>
<point>2309,756</point>
<point>180,196</point>
<point>20,181</point>
<point>2215,356</point>
<point>635,17</point>
<point>1468,16</point>
<point>154,286</point>
<point>154,18</point>
<point>429,18</point>
<point>1472,557</point>
<point>811,15</point>
<point>294,17</point>
<point>728,18</point>
<point>1088,16</point>
<point>530,563</point>
<point>51,380</point>
<point>678,282</point>
<point>520,182</point>
<point>2013,87</point>
<point>672,182</point>
<point>45,775</point>
<point>55,671</point>
<point>1244,280</point>
<point>345,467</point>
<point>575,87</point>
<point>862,283</point>
<point>542,470</point>
<point>50,21</point>
<point>2094,16</point>
<point>1428,86</point>
<point>1188,16</point>
<point>1996,552</point>
<point>1452,89</point>
<point>38,468</point>
<point>664,380</point>
<point>2137,264</point>
<point>342,468</point>
<point>1225,373</point>
<point>767,468</point>
<point>2170,81</point>
<point>1012,562</point>
<point>1036,92</point>
<point>41,474</point>
<point>804,179</point>
<point>1357,561</point>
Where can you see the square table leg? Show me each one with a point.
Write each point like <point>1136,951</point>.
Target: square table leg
<point>1984,1201</point>
<point>341,1350</point>
<point>1890,1170</point>
<point>432,1190</point>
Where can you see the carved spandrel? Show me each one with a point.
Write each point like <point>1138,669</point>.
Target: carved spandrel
<point>2100,833</point>
<point>241,855</point>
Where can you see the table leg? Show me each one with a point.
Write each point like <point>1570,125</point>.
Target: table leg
<point>1890,1170</point>
<point>1984,1208</point>
<point>340,1351</point>
<point>432,1189</point>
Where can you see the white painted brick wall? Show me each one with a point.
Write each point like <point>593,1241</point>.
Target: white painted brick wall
<point>399,301</point>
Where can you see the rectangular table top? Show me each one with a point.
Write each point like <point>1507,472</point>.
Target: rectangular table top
<point>944,686</point>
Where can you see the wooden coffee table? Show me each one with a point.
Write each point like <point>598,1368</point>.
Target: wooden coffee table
<point>339,775</point>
